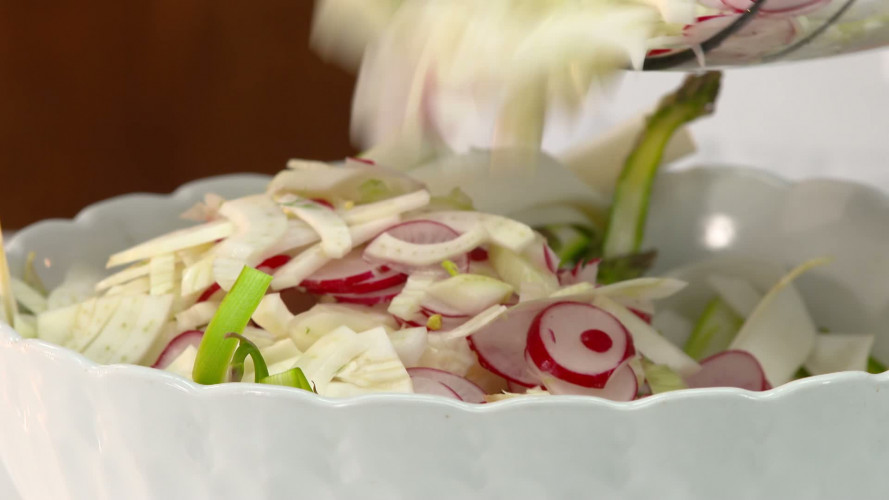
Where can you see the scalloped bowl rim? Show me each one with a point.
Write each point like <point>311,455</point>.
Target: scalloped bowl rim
<point>9,338</point>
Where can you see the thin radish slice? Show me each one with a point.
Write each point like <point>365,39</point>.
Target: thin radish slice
<point>423,244</point>
<point>783,8</point>
<point>622,386</point>
<point>500,346</point>
<point>423,385</point>
<point>209,292</point>
<point>733,368</point>
<point>465,389</point>
<point>582,272</point>
<point>541,255</point>
<point>780,333</point>
<point>756,39</point>
<point>337,275</point>
<point>369,299</point>
<point>273,263</point>
<point>176,346</point>
<point>578,343</point>
<point>313,258</point>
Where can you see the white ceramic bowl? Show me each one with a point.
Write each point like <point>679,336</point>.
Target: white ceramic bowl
<point>72,429</point>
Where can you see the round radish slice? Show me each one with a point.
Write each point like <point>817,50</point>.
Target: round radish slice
<point>622,386</point>
<point>733,368</point>
<point>424,232</point>
<point>423,385</point>
<point>209,292</point>
<point>176,346</point>
<point>339,274</point>
<point>756,39</point>
<point>790,8</point>
<point>578,343</point>
<point>465,389</point>
<point>500,346</point>
<point>369,299</point>
<point>273,263</point>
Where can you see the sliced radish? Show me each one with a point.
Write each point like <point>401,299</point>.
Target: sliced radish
<point>423,385</point>
<point>176,346</point>
<point>369,299</point>
<point>578,343</point>
<point>756,39</point>
<point>273,263</point>
<point>500,346</point>
<point>448,323</point>
<point>582,272</point>
<point>733,368</point>
<point>209,292</point>
<point>774,8</point>
<point>337,275</point>
<point>622,386</point>
<point>465,389</point>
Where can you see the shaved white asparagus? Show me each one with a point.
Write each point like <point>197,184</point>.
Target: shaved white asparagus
<point>386,208</point>
<point>331,228</point>
<point>391,249</point>
<point>175,241</point>
<point>779,333</point>
<point>837,352</point>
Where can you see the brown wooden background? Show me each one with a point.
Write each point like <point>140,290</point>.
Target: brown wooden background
<point>105,97</point>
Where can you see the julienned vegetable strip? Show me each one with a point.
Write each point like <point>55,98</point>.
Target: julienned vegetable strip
<point>695,98</point>
<point>216,351</point>
<point>291,378</point>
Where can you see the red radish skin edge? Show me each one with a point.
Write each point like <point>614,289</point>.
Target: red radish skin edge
<point>368,299</point>
<point>177,346</point>
<point>465,389</point>
<point>714,374</point>
<point>544,361</point>
<point>423,385</point>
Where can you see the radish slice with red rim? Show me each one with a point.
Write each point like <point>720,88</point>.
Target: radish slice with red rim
<point>622,386</point>
<point>423,232</point>
<point>337,275</point>
<point>423,385</point>
<point>177,346</point>
<point>759,37</point>
<point>500,346</point>
<point>368,299</point>
<point>734,368</point>
<point>273,263</point>
<point>582,272</point>
<point>465,389</point>
<point>209,292</point>
<point>578,343</point>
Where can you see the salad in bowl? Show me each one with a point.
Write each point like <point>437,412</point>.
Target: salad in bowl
<point>351,278</point>
<point>367,333</point>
